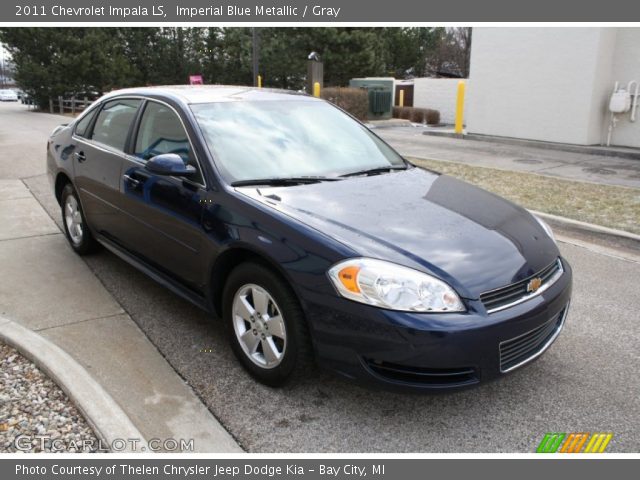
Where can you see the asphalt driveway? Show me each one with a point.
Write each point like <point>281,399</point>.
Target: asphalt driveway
<point>410,141</point>
<point>587,382</point>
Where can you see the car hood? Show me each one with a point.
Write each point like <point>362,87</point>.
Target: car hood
<point>473,239</point>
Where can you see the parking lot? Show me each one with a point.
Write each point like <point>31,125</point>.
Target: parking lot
<point>586,382</point>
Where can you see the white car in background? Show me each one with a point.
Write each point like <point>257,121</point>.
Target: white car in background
<point>8,96</point>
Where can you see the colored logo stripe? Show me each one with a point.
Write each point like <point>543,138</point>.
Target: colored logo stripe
<point>598,442</point>
<point>550,442</point>
<point>574,442</point>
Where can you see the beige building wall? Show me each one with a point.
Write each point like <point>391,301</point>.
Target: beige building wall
<point>550,84</point>
<point>439,94</point>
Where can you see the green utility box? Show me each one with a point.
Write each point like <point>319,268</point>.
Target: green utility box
<point>380,90</point>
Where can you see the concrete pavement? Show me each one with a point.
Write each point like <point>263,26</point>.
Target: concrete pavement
<point>48,289</point>
<point>410,141</point>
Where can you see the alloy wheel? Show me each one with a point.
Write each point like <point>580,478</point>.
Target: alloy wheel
<point>259,326</point>
<point>73,219</point>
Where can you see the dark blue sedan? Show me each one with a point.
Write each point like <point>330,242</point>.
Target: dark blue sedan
<point>310,237</point>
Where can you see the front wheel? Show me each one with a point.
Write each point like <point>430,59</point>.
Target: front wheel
<point>267,328</point>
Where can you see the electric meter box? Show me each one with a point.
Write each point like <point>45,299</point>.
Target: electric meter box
<point>620,102</point>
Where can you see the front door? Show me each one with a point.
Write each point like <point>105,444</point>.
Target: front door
<point>165,212</point>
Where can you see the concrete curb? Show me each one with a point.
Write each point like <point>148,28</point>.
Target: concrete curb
<point>389,123</point>
<point>576,225</point>
<point>619,152</point>
<point>401,122</point>
<point>105,416</point>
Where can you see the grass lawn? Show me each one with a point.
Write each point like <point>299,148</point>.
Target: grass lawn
<point>610,206</point>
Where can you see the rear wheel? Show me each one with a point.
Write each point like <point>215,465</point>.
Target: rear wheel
<point>74,223</point>
<point>267,328</point>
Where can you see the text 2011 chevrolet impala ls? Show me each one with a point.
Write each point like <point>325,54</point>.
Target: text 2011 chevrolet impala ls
<point>312,238</point>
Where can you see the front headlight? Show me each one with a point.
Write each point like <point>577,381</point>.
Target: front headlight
<point>387,285</point>
<point>546,228</point>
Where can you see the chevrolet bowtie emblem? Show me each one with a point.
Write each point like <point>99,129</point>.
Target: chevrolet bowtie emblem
<point>534,284</point>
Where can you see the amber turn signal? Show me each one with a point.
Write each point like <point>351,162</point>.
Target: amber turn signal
<point>349,278</point>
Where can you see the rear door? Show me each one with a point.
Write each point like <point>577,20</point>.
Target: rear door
<point>97,161</point>
<point>165,212</point>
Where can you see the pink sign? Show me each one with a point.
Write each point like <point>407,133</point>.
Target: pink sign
<point>195,80</point>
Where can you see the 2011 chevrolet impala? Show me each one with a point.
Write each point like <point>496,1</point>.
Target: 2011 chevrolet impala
<point>313,239</point>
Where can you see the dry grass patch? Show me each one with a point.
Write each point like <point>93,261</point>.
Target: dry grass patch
<point>610,206</point>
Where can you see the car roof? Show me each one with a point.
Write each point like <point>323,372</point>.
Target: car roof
<point>191,94</point>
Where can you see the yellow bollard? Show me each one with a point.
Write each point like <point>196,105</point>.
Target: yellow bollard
<point>460,107</point>
<point>259,81</point>
<point>401,104</point>
<point>316,89</point>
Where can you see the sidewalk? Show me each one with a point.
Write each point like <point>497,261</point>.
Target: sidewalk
<point>45,287</point>
<point>411,141</point>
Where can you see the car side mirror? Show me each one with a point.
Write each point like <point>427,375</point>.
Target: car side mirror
<point>169,164</point>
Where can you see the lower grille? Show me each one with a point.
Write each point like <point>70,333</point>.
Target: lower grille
<point>432,377</point>
<point>524,348</point>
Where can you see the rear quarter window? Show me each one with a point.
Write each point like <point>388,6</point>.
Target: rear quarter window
<point>82,126</point>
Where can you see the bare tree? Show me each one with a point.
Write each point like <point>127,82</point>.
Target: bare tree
<point>452,55</point>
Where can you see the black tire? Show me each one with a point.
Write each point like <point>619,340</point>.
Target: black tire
<point>86,244</point>
<point>298,355</point>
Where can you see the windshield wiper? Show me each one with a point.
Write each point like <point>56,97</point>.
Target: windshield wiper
<point>375,171</point>
<point>283,181</point>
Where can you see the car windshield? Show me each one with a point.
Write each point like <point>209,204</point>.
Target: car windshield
<point>295,138</point>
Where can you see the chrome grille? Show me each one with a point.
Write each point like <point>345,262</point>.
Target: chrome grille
<point>515,293</point>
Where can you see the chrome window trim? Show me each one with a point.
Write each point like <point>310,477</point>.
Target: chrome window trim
<point>100,146</point>
<point>556,276</point>
<point>544,347</point>
<point>126,156</point>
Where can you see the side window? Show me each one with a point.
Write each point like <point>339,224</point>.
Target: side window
<point>113,122</point>
<point>83,124</point>
<point>161,131</point>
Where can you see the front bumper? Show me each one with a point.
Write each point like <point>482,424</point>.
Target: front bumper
<point>434,351</point>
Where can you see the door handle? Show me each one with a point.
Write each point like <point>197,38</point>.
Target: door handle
<point>131,180</point>
<point>80,156</point>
